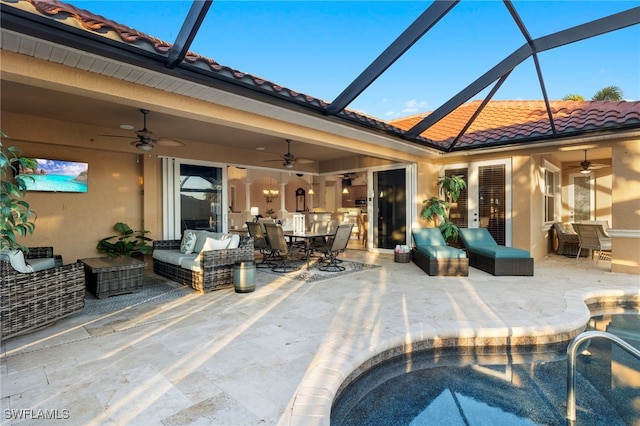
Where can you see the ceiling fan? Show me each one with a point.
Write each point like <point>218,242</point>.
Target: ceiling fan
<point>289,160</point>
<point>145,139</point>
<point>587,166</point>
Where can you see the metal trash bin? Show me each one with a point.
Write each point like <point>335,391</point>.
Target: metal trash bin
<point>244,276</point>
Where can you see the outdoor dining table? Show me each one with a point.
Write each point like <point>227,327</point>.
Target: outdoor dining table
<point>307,237</point>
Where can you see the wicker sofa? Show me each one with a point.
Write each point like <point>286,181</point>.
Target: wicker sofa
<point>205,270</point>
<point>32,300</point>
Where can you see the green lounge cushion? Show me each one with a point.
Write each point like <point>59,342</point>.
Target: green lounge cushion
<point>500,252</point>
<point>428,237</point>
<point>473,237</point>
<point>441,252</point>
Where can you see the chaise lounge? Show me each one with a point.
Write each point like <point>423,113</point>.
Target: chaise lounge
<point>485,254</point>
<point>435,257</point>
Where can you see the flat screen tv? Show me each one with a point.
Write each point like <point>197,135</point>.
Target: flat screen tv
<point>57,176</point>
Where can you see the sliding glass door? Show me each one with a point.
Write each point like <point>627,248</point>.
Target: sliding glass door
<point>390,213</point>
<point>194,196</point>
<point>201,197</point>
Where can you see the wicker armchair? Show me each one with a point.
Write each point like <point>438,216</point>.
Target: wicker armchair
<point>567,241</point>
<point>29,301</point>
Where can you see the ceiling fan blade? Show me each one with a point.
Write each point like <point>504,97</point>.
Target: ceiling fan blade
<point>116,136</point>
<point>169,142</point>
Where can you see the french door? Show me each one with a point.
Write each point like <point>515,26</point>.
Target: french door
<point>581,197</point>
<point>486,203</point>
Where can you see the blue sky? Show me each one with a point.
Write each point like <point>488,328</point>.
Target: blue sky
<point>319,47</point>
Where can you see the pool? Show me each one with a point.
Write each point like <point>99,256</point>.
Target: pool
<point>498,386</point>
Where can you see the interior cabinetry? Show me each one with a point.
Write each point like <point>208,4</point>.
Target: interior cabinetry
<point>356,192</point>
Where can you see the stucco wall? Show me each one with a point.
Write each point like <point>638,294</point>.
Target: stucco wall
<point>73,223</point>
<point>626,187</point>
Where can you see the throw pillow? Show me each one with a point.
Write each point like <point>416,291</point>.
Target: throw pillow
<point>235,241</point>
<point>215,244</point>
<point>16,258</point>
<point>188,242</point>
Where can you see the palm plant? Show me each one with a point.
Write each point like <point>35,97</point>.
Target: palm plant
<point>17,217</point>
<point>437,209</point>
<point>573,97</point>
<point>609,93</point>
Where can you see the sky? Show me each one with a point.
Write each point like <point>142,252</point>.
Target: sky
<point>319,47</point>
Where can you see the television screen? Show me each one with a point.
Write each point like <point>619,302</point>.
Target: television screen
<point>57,176</point>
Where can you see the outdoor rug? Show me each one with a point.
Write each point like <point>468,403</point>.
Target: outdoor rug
<point>314,274</point>
<point>154,290</point>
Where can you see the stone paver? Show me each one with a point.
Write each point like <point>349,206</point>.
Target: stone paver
<point>278,355</point>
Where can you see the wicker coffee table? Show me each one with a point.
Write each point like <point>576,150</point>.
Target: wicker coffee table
<point>108,276</point>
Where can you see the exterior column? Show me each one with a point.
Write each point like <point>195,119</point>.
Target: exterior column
<point>282,213</point>
<point>625,208</point>
<point>247,203</point>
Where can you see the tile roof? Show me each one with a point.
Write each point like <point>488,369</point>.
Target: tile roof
<point>104,27</point>
<point>502,122</point>
<point>499,123</point>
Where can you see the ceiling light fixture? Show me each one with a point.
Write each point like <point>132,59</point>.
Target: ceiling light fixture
<point>144,146</point>
<point>270,194</point>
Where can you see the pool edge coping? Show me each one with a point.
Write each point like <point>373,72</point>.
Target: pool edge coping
<point>319,388</point>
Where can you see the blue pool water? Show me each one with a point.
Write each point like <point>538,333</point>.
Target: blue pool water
<point>490,386</point>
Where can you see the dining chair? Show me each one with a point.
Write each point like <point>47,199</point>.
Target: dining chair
<point>363,222</point>
<point>261,243</point>
<point>278,243</point>
<point>592,237</point>
<point>337,244</point>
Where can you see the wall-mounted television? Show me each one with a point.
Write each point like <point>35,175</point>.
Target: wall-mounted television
<point>57,176</point>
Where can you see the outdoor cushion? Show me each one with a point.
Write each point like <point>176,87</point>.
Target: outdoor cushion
<point>235,241</point>
<point>173,257</point>
<point>188,242</point>
<point>191,264</point>
<point>201,238</point>
<point>428,237</point>
<point>500,252</point>
<point>441,252</point>
<point>16,258</point>
<point>472,237</point>
<point>215,244</point>
<point>40,264</point>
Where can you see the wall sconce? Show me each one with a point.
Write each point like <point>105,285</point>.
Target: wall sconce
<point>345,190</point>
<point>270,194</point>
<point>311,191</point>
<point>255,212</point>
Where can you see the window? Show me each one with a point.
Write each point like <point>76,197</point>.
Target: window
<point>551,195</point>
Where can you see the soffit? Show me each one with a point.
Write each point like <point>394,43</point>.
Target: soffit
<point>385,134</point>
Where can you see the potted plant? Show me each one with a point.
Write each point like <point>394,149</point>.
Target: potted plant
<point>437,209</point>
<point>17,217</point>
<point>128,243</point>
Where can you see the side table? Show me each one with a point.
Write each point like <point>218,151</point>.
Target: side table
<point>108,276</point>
